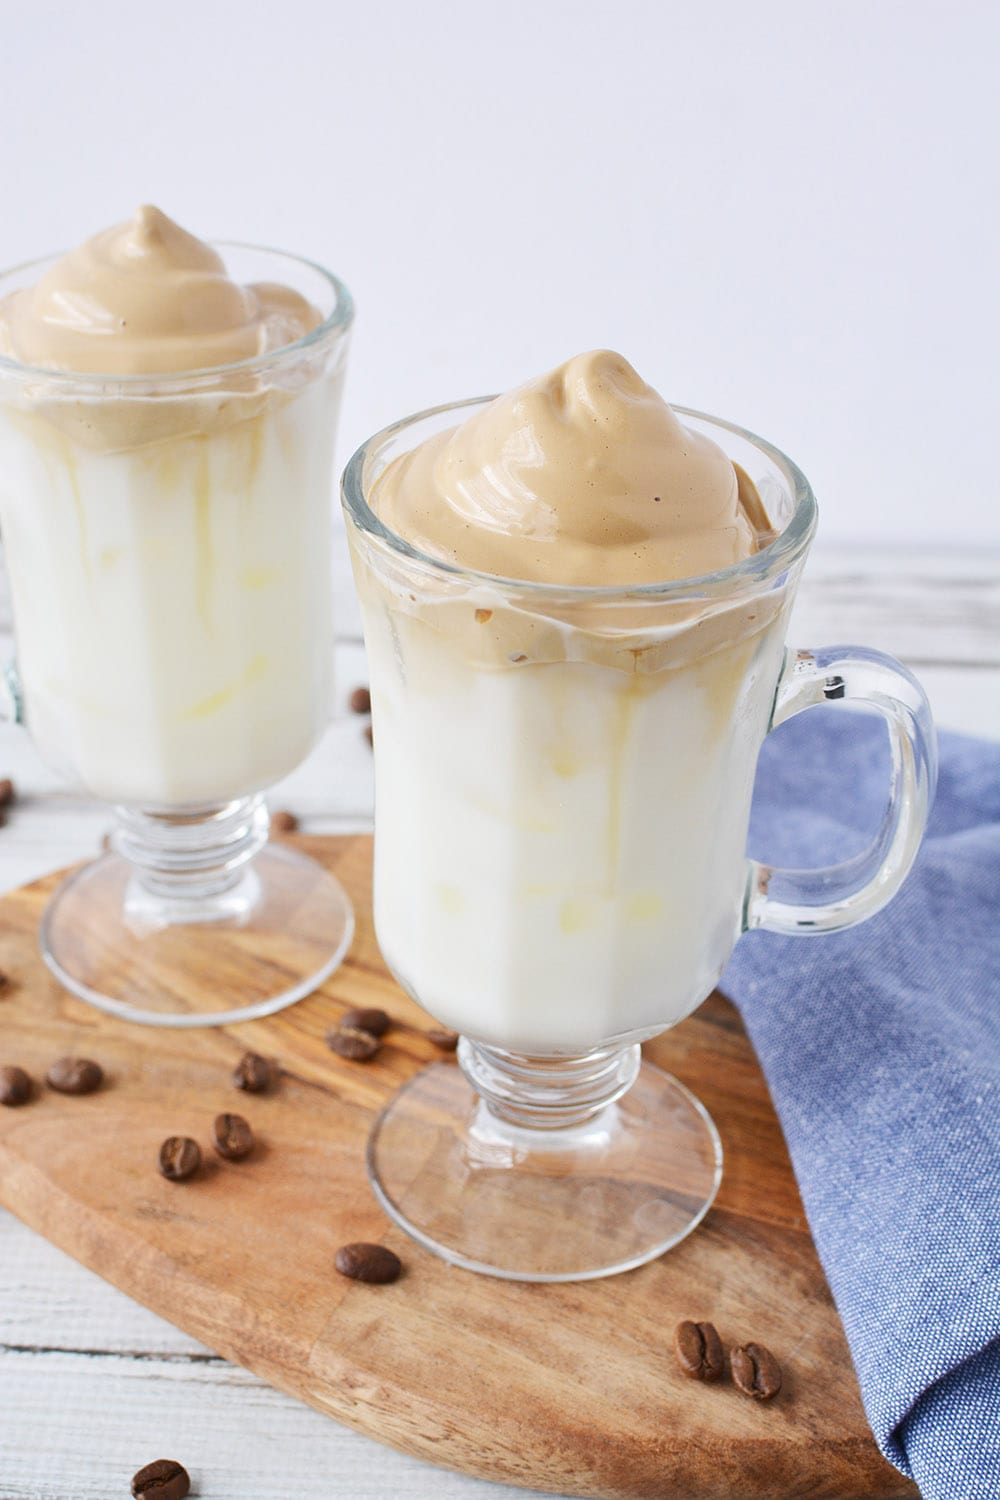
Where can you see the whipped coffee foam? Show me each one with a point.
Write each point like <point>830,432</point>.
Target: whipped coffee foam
<point>147,298</point>
<point>582,476</point>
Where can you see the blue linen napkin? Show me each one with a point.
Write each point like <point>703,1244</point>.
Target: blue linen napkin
<point>881,1046</point>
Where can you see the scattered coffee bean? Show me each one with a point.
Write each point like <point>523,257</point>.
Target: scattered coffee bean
<point>756,1372</point>
<point>360,701</point>
<point>353,1043</point>
<point>283,821</point>
<point>253,1074</point>
<point>369,735</point>
<point>6,792</point>
<point>164,1479</point>
<point>180,1158</point>
<point>75,1075</point>
<point>446,1040</point>
<point>367,1018</point>
<point>15,1086</point>
<point>232,1137</point>
<point>699,1350</point>
<point>374,1263</point>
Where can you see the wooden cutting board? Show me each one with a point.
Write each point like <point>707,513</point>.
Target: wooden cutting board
<point>568,1388</point>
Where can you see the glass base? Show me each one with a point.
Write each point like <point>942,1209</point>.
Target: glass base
<point>187,937</point>
<point>467,1179</point>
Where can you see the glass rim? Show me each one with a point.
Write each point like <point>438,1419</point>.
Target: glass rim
<point>339,319</point>
<point>770,561</point>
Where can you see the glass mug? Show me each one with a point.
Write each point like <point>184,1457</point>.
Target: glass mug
<point>563,779</point>
<point>168,544</point>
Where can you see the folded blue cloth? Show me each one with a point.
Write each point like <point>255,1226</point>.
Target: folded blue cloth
<point>881,1046</point>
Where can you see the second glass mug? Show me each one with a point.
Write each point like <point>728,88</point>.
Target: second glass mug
<point>168,543</point>
<point>563,779</point>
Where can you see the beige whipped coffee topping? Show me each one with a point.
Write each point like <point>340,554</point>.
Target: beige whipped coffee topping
<point>147,298</point>
<point>583,476</point>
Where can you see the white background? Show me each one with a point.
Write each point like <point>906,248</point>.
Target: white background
<point>784,212</point>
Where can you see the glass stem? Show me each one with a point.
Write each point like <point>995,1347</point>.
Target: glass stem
<point>548,1093</point>
<point>193,855</point>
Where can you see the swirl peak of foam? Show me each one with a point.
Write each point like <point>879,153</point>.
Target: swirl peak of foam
<point>582,476</point>
<point>147,298</point>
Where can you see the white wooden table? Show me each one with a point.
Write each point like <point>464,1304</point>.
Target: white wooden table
<point>91,1385</point>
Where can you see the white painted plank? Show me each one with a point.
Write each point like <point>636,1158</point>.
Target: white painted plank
<point>922,606</point>
<point>918,616</point>
<point>49,1301</point>
<point>77,1426</point>
<point>964,698</point>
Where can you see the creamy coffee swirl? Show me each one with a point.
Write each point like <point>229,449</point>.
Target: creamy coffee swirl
<point>147,298</point>
<point>583,476</point>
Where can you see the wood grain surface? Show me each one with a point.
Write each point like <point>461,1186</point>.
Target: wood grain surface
<point>570,1389</point>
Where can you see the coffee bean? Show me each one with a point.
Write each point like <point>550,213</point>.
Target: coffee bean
<point>7,792</point>
<point>253,1074</point>
<point>164,1479</point>
<point>699,1350</point>
<point>756,1372</point>
<point>75,1075</point>
<point>283,821</point>
<point>15,1086</point>
<point>180,1158</point>
<point>376,1022</point>
<point>363,1262</point>
<point>446,1040</point>
<point>232,1137</point>
<point>353,1042</point>
<point>360,701</point>
<point>370,735</point>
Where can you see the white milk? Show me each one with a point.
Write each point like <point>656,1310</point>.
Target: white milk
<point>172,602</point>
<point>560,851</point>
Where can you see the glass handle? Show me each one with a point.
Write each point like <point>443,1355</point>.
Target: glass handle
<point>836,896</point>
<point>11,701</point>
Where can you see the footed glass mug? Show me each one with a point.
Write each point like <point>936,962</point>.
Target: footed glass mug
<point>168,545</point>
<point>563,780</point>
